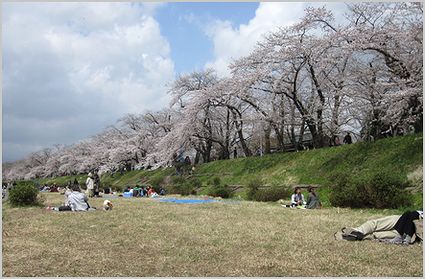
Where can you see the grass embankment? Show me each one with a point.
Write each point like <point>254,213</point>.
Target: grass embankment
<point>145,237</point>
<point>399,155</point>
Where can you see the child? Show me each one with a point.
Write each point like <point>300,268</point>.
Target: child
<point>107,205</point>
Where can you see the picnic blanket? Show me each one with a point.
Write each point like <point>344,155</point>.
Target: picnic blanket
<point>190,201</point>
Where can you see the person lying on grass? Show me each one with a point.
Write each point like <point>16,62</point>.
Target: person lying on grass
<point>394,229</point>
<point>77,201</point>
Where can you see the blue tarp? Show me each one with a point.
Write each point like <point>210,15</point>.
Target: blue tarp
<point>187,200</point>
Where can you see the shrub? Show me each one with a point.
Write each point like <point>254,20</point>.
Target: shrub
<point>273,193</point>
<point>182,186</point>
<point>156,181</point>
<point>195,182</point>
<point>182,189</point>
<point>220,191</point>
<point>24,194</point>
<point>215,181</point>
<point>253,187</point>
<point>381,190</point>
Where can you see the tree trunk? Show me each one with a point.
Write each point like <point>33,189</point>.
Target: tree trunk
<point>239,128</point>
<point>267,132</point>
<point>197,157</point>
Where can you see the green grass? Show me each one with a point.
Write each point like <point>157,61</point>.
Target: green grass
<point>399,155</point>
<point>144,237</point>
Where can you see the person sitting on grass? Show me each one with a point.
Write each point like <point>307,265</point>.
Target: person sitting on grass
<point>136,191</point>
<point>54,188</point>
<point>162,191</point>
<point>144,192</point>
<point>297,199</point>
<point>77,201</point>
<point>393,229</point>
<point>313,200</point>
<point>152,193</point>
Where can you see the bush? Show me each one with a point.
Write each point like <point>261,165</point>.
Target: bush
<point>273,193</point>
<point>182,186</point>
<point>253,188</point>
<point>381,190</point>
<point>156,181</point>
<point>220,191</point>
<point>195,182</point>
<point>24,194</point>
<point>215,181</point>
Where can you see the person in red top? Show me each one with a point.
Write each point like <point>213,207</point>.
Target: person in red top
<point>151,192</point>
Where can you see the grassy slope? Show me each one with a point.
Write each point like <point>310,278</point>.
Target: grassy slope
<point>145,237</point>
<point>401,155</point>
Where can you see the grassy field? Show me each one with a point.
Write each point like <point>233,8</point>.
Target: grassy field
<point>400,155</point>
<point>144,237</point>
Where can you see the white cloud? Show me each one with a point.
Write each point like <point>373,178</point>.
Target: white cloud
<point>231,43</point>
<point>73,68</point>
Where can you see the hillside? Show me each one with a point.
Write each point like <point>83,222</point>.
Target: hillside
<point>400,155</point>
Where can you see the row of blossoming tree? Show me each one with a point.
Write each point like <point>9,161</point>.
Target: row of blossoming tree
<point>315,79</point>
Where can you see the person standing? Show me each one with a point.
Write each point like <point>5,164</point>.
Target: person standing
<point>235,153</point>
<point>96,184</point>
<point>90,185</point>
<point>348,139</point>
<point>336,141</point>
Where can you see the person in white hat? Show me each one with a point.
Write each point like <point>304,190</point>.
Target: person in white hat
<point>90,185</point>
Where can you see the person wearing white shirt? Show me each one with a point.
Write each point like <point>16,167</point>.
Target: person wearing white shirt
<point>90,185</point>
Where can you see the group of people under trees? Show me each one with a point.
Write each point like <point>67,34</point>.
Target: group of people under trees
<point>143,191</point>
<point>76,200</point>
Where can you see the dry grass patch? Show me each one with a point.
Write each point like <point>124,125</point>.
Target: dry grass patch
<point>144,237</point>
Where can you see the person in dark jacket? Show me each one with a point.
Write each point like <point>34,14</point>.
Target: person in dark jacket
<point>313,200</point>
<point>348,139</point>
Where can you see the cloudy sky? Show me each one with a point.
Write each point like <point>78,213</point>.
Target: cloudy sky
<point>71,69</point>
